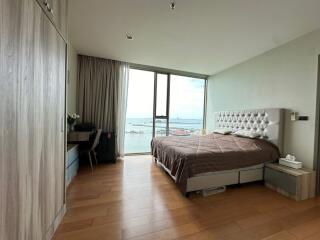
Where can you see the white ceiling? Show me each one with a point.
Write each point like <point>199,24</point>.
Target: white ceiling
<point>201,36</point>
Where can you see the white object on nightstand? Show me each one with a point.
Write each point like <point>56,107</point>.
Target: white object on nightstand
<point>290,161</point>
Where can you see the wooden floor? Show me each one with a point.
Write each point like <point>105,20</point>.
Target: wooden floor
<point>134,199</point>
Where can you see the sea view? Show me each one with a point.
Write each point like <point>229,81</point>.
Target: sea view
<point>139,131</point>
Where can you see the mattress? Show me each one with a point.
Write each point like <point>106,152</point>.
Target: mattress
<point>186,157</point>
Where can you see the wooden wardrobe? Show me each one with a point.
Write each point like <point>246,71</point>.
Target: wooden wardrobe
<point>32,117</point>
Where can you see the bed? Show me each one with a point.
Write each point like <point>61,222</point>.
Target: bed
<point>214,160</point>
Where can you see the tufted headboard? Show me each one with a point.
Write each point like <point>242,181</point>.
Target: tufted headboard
<point>268,122</point>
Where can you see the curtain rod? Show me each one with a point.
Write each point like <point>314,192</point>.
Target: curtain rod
<point>166,70</point>
<point>157,69</point>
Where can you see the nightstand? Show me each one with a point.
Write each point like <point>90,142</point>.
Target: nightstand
<point>298,184</point>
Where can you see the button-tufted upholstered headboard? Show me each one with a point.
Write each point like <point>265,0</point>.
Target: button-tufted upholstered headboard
<point>268,122</point>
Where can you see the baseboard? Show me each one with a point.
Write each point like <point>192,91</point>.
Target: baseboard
<point>54,226</point>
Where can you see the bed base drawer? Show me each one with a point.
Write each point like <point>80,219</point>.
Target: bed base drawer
<point>210,181</point>
<point>224,179</point>
<point>251,175</point>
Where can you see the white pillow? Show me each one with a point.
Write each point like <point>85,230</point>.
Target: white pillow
<point>246,133</point>
<point>223,131</point>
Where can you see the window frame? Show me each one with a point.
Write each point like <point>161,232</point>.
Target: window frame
<point>169,72</point>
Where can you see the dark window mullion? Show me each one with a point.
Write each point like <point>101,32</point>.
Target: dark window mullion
<point>154,105</point>
<point>168,102</point>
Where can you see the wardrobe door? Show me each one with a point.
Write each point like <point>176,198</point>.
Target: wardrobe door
<point>21,120</point>
<point>9,181</point>
<point>52,162</point>
<point>32,75</point>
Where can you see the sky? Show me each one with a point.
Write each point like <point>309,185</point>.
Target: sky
<point>186,96</point>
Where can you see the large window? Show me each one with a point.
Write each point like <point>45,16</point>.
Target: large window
<point>162,104</point>
<point>186,105</point>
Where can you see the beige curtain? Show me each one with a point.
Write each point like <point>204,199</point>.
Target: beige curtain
<point>121,110</point>
<point>102,95</point>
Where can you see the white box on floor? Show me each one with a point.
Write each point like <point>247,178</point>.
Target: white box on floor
<point>212,191</point>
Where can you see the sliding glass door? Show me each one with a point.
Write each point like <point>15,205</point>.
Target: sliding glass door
<point>139,121</point>
<point>162,104</point>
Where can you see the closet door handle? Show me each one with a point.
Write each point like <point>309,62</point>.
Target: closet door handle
<point>49,9</point>
<point>62,125</point>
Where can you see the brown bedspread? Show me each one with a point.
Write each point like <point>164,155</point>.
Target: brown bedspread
<point>188,156</point>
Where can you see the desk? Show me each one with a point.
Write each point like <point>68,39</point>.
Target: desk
<point>76,136</point>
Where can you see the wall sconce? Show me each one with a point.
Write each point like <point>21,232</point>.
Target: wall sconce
<point>294,116</point>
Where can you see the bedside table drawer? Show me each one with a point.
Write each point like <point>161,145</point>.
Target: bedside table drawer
<point>298,184</point>
<point>281,180</point>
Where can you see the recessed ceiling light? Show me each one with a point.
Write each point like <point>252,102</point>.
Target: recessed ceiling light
<point>129,36</point>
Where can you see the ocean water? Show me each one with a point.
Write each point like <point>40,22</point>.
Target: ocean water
<point>139,131</point>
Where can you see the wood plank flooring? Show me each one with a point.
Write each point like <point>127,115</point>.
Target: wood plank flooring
<point>134,199</point>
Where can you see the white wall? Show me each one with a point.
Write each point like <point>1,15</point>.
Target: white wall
<point>72,82</point>
<point>285,77</point>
